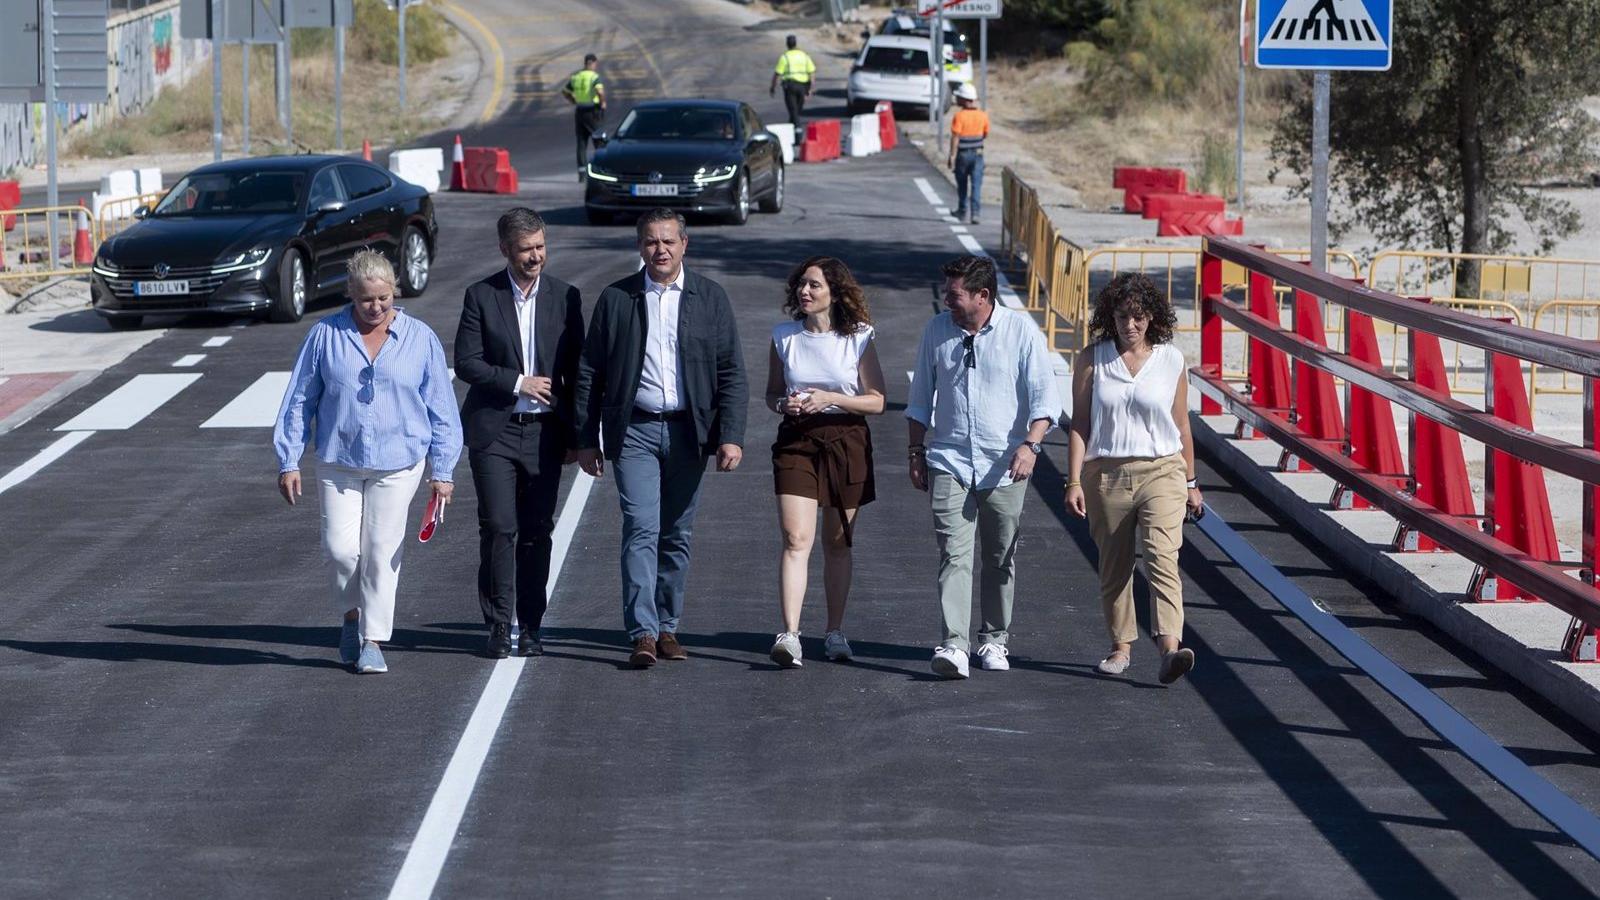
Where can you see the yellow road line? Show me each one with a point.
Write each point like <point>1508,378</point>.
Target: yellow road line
<point>493,106</point>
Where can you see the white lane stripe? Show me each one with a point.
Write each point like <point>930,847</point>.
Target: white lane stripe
<point>928,191</point>
<point>216,341</point>
<point>959,229</point>
<point>126,406</point>
<point>43,458</point>
<point>1561,811</point>
<point>255,407</point>
<point>4,379</point>
<point>188,359</point>
<point>425,860</point>
<point>972,245</point>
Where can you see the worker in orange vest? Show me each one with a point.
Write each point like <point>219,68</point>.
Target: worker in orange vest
<point>968,128</point>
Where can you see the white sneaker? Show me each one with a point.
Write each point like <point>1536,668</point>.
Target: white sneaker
<point>836,647</point>
<point>993,657</point>
<point>786,650</point>
<point>950,662</point>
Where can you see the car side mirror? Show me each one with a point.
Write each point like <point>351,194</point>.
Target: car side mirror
<point>141,212</point>
<point>866,35</point>
<point>600,139</point>
<point>761,137</point>
<point>331,206</point>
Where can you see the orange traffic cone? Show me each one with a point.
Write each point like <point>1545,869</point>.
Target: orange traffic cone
<point>82,246</point>
<point>366,150</point>
<point>458,168</point>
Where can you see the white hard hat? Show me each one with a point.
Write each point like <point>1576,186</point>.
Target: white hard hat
<point>967,92</point>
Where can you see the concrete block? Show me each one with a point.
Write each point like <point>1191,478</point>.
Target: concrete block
<point>785,133</point>
<point>120,183</point>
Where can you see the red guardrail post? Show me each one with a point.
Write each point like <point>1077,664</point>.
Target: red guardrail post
<point>1210,326</point>
<point>1316,403</point>
<point>1269,368</point>
<point>1438,465</point>
<point>1374,443</point>
<point>1515,500</point>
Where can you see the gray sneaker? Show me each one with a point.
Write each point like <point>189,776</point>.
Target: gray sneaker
<point>349,641</point>
<point>786,650</point>
<point>371,661</point>
<point>835,647</point>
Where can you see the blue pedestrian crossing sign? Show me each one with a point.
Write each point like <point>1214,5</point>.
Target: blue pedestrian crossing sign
<point>1324,34</point>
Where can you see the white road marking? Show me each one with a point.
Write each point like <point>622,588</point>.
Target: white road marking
<point>216,341</point>
<point>972,245</point>
<point>959,229</point>
<point>425,860</point>
<point>43,458</point>
<point>929,193</point>
<point>126,406</point>
<point>188,360</point>
<point>255,407</point>
<point>4,379</point>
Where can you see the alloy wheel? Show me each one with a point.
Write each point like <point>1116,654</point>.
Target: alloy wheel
<point>416,261</point>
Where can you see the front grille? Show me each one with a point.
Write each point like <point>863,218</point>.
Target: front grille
<point>199,284</point>
<point>644,178</point>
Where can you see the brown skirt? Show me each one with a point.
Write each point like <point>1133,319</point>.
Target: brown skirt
<point>827,457</point>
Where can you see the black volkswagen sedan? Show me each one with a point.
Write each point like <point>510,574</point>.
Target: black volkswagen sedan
<point>263,236</point>
<point>696,156</point>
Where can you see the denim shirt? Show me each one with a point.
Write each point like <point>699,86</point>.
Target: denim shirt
<point>976,417</point>
<point>385,413</point>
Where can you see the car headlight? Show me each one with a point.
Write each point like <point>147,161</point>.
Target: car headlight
<point>249,259</point>
<point>599,174</point>
<point>709,174</point>
<point>103,267</point>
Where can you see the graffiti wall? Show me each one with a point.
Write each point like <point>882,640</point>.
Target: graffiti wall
<point>145,56</point>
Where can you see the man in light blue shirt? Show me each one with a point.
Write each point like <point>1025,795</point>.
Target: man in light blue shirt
<point>983,397</point>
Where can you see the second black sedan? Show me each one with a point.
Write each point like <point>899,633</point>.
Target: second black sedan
<point>696,156</point>
<point>264,236</point>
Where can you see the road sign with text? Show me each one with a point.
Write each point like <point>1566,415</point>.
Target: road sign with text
<point>961,9</point>
<point>80,71</point>
<point>1324,34</point>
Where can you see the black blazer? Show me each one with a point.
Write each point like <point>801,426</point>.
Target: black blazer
<point>489,352</point>
<point>711,364</point>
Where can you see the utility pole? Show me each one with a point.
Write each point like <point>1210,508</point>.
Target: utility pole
<point>52,189</point>
<point>402,9</point>
<point>1319,169</point>
<point>338,87</point>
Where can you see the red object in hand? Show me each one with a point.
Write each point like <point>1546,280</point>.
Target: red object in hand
<point>431,518</point>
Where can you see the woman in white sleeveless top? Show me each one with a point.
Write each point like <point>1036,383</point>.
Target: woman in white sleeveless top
<point>823,377</point>
<point>1130,463</point>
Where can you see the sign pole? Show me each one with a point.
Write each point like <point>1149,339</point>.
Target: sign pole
<point>288,72</point>
<point>1319,170</point>
<point>338,88</point>
<point>244,53</point>
<point>52,189</point>
<point>402,5</point>
<point>983,63</point>
<point>1238,154</point>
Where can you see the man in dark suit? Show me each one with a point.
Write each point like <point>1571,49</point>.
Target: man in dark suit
<point>517,347</point>
<point>661,387</point>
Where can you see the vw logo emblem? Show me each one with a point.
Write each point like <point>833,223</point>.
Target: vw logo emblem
<point>655,177</point>
<point>163,270</point>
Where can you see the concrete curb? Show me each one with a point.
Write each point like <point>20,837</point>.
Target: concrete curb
<point>46,400</point>
<point>1535,668</point>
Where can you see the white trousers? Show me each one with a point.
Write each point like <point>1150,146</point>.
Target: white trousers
<point>364,537</point>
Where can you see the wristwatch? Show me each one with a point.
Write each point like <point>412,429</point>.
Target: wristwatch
<point>1035,446</point>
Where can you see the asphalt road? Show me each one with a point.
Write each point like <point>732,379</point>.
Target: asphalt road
<point>177,725</point>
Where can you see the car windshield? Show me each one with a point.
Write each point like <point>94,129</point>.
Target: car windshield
<point>231,193</point>
<point>896,59</point>
<point>686,123</point>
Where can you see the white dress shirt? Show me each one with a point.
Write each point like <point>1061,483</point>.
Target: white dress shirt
<point>530,346</point>
<point>658,383</point>
<point>977,417</point>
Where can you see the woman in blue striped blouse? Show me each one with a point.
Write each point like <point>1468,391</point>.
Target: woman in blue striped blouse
<point>371,391</point>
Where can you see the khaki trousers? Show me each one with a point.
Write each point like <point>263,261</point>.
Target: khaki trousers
<point>1138,504</point>
<point>992,516</point>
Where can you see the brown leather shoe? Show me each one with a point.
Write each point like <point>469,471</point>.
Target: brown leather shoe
<point>644,653</point>
<point>670,648</point>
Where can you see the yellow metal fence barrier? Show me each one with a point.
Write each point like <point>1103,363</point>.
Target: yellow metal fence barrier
<point>117,215</point>
<point>25,250</point>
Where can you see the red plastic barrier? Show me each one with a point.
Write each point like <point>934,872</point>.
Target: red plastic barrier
<point>1518,505</point>
<point>1269,368</point>
<point>10,198</point>
<point>488,170</point>
<point>1374,444</point>
<point>1156,204</point>
<point>1438,463</point>
<point>822,141</point>
<point>1139,183</point>
<point>1316,402</point>
<point>888,132</point>
<point>1197,224</point>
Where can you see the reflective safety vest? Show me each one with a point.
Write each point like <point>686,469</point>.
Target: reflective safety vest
<point>795,65</point>
<point>585,87</point>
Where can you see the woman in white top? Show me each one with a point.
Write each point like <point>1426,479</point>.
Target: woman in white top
<point>823,377</point>
<point>1130,463</point>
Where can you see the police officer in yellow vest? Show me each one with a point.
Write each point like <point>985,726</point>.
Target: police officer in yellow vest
<point>795,69</point>
<point>587,94</point>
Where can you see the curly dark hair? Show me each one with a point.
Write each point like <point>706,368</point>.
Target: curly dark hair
<point>849,311</point>
<point>1136,290</point>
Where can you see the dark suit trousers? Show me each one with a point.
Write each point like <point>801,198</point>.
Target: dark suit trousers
<point>517,478</point>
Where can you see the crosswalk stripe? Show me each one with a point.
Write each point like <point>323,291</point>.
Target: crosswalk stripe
<point>216,341</point>
<point>255,407</point>
<point>41,459</point>
<point>187,360</point>
<point>126,406</point>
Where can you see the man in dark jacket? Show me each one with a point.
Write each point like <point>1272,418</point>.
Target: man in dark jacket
<point>661,387</point>
<point>517,347</point>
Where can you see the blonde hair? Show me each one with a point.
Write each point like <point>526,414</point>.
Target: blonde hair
<point>370,265</point>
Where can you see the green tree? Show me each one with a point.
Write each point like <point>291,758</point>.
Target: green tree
<point>1481,105</point>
